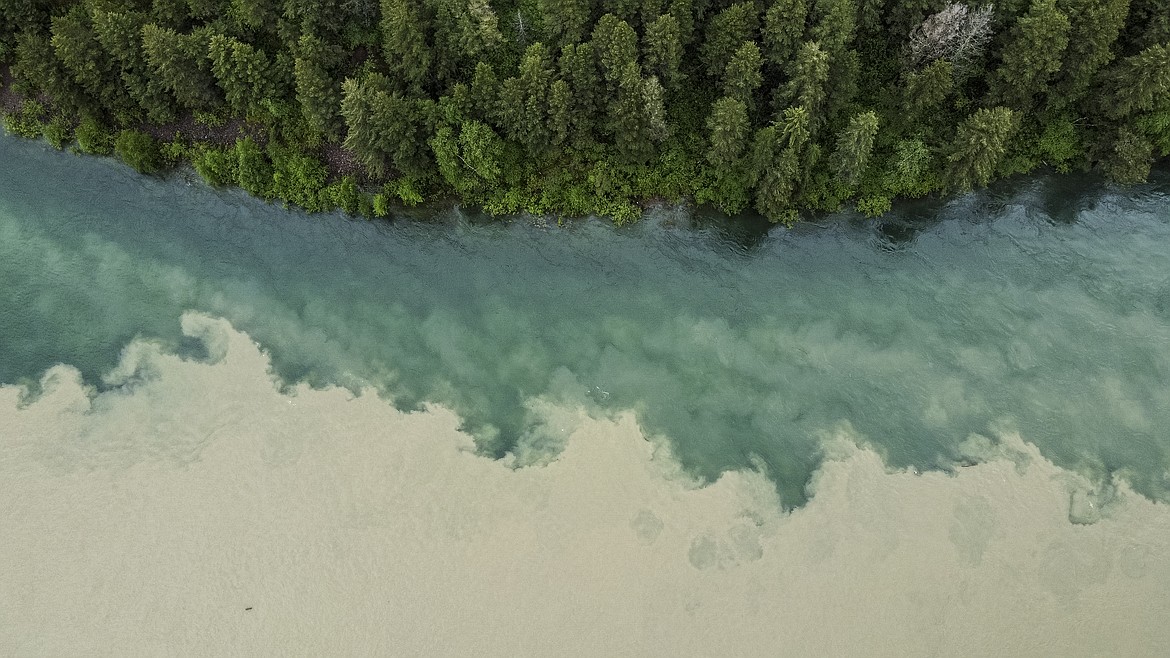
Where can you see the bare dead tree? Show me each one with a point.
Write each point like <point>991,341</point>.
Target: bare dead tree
<point>957,34</point>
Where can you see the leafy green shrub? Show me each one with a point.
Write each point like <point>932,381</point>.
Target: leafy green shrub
<point>297,178</point>
<point>874,205</point>
<point>139,150</point>
<point>58,132</point>
<point>346,195</point>
<point>217,166</point>
<point>27,122</point>
<point>93,138</point>
<point>1059,144</point>
<point>253,171</point>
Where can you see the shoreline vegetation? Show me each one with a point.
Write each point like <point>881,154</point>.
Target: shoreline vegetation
<point>581,107</point>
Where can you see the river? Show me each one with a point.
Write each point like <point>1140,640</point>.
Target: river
<point>229,427</point>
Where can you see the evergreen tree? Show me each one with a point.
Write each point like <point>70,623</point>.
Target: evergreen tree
<point>566,22</point>
<point>854,146</point>
<point>78,50</point>
<point>465,31</point>
<point>1094,26</point>
<point>616,46</point>
<point>242,72</point>
<point>637,116</point>
<point>783,30</point>
<point>684,14</point>
<point>809,80</point>
<point>120,34</point>
<point>1129,158</point>
<point>981,142</point>
<point>834,24</point>
<point>923,92</point>
<point>663,49</point>
<point>318,93</point>
<point>1033,53</point>
<point>1139,83</point>
<point>725,34</point>
<point>258,15</point>
<point>777,158</point>
<point>729,128</point>
<point>179,62</point>
<point>728,125</point>
<point>742,76</point>
<point>578,68</point>
<point>560,111</point>
<point>386,130</point>
<point>404,42</point>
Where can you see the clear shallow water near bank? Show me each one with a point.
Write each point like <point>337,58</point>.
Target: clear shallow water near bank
<point>1044,308</point>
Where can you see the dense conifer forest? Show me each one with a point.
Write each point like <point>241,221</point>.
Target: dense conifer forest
<point>575,107</point>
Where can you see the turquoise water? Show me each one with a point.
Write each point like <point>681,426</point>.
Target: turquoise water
<point>1043,307</point>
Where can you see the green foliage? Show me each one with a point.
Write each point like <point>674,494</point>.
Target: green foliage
<point>179,62</point>
<point>742,76</point>
<point>725,34</point>
<point>575,107</point>
<point>981,141</point>
<point>854,146</point>
<point>253,170</point>
<point>348,197</point>
<point>139,150</point>
<point>1060,144</point>
<point>1033,53</point>
<point>217,166</point>
<point>1129,158</point>
<point>242,73</point>
<point>28,122</point>
<point>1140,83</point>
<point>910,171</point>
<point>58,132</point>
<point>664,49</point>
<point>404,41</point>
<point>94,138</point>
<point>783,30</point>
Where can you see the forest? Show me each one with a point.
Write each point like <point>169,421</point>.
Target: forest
<point>595,107</point>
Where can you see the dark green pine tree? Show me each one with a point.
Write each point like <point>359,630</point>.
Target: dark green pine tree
<point>318,90</point>
<point>578,68</point>
<point>560,112</point>
<point>120,34</point>
<point>779,153</point>
<point>742,76</point>
<point>1139,83</point>
<point>807,87</point>
<point>180,63</point>
<point>637,116</point>
<point>259,15</point>
<point>1128,159</point>
<point>404,43</point>
<point>783,31</point>
<point>728,127</point>
<point>725,33</point>
<point>854,147</point>
<point>981,142</point>
<point>566,22</point>
<point>243,73</point>
<point>924,92</point>
<point>1033,53</point>
<point>1094,26</point>
<point>385,129</point>
<point>616,46</point>
<point>79,51</point>
<point>663,49</point>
